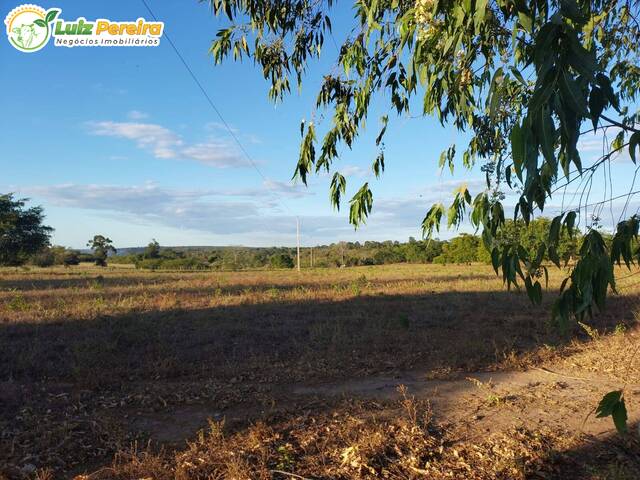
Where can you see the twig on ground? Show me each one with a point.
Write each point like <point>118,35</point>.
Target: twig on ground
<point>546,370</point>
<point>293,475</point>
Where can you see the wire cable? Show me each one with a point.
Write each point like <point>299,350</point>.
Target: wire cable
<point>210,101</point>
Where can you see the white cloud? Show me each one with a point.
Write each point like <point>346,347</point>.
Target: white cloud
<point>354,171</point>
<point>216,154</point>
<point>282,188</point>
<point>445,188</point>
<point>247,215</point>
<point>591,144</point>
<point>161,141</point>
<point>253,215</point>
<point>595,145</point>
<point>209,211</point>
<point>137,115</point>
<point>166,144</point>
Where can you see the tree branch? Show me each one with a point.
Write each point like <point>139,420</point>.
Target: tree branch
<point>621,125</point>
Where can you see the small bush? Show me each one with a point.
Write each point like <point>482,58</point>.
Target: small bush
<point>44,258</point>
<point>281,260</point>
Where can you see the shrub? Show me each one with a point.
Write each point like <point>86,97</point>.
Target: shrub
<point>44,258</point>
<point>71,257</point>
<point>281,260</point>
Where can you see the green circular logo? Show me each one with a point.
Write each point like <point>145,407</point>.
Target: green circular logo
<point>28,27</point>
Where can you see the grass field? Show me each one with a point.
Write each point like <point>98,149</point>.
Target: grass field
<point>400,371</point>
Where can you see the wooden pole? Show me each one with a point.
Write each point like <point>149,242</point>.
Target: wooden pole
<point>298,239</point>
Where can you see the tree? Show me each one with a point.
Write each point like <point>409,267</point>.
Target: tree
<point>55,255</point>
<point>71,257</point>
<point>281,260</point>
<point>101,247</point>
<point>22,233</point>
<point>152,250</point>
<point>65,256</point>
<point>522,77</point>
<point>44,258</point>
<point>530,237</point>
<point>461,249</point>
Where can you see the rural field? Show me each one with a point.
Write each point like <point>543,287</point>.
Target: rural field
<point>320,240</point>
<point>399,371</point>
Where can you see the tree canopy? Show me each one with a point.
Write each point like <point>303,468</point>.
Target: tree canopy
<point>101,247</point>
<point>525,79</point>
<point>152,250</point>
<point>281,260</point>
<point>22,232</point>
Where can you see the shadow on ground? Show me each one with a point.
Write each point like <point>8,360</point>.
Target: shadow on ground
<point>73,389</point>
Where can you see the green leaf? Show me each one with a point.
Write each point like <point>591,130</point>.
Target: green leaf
<point>596,105</point>
<point>378,164</point>
<point>570,222</point>
<point>554,230</point>
<point>612,404</point>
<point>384,119</point>
<point>607,89</point>
<point>517,149</point>
<point>634,141</point>
<point>619,416</point>
<point>547,135</point>
<point>361,205</point>
<point>51,15</point>
<point>572,95</point>
<point>495,259</point>
<point>518,75</point>
<point>307,154</point>
<point>581,59</point>
<point>478,17</point>
<point>544,90</point>
<point>327,22</point>
<point>618,141</point>
<point>525,21</point>
<point>534,290</point>
<point>570,9</point>
<point>432,220</point>
<point>447,157</point>
<point>553,255</point>
<point>39,22</point>
<point>337,189</point>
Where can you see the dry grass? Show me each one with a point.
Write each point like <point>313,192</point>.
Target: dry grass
<point>92,360</point>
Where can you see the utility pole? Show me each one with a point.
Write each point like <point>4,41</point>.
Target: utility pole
<point>311,257</point>
<point>298,239</point>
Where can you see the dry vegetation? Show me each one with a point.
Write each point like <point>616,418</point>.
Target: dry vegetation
<point>280,375</point>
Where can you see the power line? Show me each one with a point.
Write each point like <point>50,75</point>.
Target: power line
<point>629,194</point>
<point>210,101</point>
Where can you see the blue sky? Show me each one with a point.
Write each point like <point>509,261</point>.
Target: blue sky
<point>120,141</point>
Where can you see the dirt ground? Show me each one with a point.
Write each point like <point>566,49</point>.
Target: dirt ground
<point>406,371</point>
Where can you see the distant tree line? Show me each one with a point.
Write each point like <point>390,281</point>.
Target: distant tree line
<point>24,239</point>
<point>464,248</point>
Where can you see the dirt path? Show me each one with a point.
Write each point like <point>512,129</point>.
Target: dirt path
<point>491,401</point>
<point>476,403</point>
